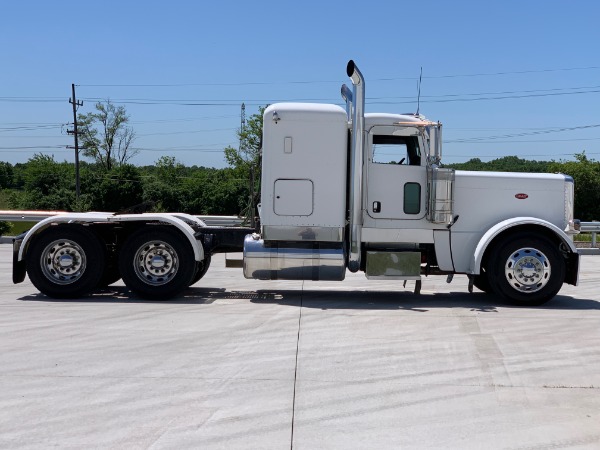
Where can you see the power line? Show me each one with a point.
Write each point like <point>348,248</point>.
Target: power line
<point>372,101</point>
<point>523,141</point>
<point>32,99</point>
<point>388,100</point>
<point>33,147</point>
<point>263,83</point>
<point>529,91</point>
<point>32,137</point>
<point>189,119</point>
<point>30,128</point>
<point>186,132</point>
<point>545,155</point>
<point>177,150</point>
<point>516,72</point>
<point>531,133</point>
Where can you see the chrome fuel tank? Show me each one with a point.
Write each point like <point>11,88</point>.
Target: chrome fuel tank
<point>293,260</point>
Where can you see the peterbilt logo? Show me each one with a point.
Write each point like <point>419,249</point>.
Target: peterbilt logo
<point>521,196</point>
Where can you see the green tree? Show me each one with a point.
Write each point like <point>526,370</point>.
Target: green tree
<point>164,186</point>
<point>48,185</point>
<point>586,174</point>
<point>113,190</point>
<point>215,191</point>
<point>5,227</point>
<point>246,160</point>
<point>504,164</point>
<point>6,175</point>
<point>105,135</point>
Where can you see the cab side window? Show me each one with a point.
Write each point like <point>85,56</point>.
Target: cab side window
<point>396,150</point>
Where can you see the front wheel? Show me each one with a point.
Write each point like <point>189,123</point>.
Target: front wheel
<point>482,283</point>
<point>65,262</point>
<point>526,269</point>
<point>157,262</point>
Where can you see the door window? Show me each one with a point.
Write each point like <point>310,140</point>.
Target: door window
<point>396,150</point>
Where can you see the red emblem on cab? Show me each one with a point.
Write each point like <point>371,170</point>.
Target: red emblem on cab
<point>521,196</point>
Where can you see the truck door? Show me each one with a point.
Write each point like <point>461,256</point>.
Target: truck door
<point>396,174</point>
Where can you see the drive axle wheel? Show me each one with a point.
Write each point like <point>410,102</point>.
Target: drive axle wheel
<point>526,269</point>
<point>201,269</point>
<point>157,263</point>
<point>65,262</point>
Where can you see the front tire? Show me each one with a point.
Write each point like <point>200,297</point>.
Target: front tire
<point>526,269</point>
<point>482,283</point>
<point>157,263</point>
<point>65,262</point>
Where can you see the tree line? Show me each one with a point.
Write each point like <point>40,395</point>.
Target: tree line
<point>110,183</point>
<point>585,171</point>
<point>43,183</point>
<point>168,185</point>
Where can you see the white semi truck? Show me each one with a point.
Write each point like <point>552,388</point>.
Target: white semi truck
<point>341,190</point>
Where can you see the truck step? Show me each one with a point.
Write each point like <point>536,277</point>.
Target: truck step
<point>234,263</point>
<point>588,251</point>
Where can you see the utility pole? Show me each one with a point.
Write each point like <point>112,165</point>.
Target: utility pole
<point>74,132</point>
<point>243,123</point>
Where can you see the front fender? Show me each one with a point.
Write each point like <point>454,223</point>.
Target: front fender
<point>490,235</point>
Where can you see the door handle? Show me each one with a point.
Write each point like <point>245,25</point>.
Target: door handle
<point>376,207</point>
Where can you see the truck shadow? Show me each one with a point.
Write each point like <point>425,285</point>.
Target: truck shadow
<point>382,300</point>
<point>331,300</point>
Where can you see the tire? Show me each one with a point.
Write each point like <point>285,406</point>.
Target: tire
<point>201,269</point>
<point>482,283</point>
<point>65,262</point>
<point>157,263</point>
<point>526,269</point>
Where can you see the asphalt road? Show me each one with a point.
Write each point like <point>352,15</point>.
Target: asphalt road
<point>238,363</point>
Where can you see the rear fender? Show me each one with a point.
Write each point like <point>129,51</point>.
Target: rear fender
<point>179,221</point>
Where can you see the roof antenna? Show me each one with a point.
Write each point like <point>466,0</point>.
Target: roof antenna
<point>419,91</point>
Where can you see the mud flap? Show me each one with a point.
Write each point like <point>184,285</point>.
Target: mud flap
<point>19,267</point>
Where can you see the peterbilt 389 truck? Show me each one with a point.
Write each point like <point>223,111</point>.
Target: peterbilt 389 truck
<point>342,191</point>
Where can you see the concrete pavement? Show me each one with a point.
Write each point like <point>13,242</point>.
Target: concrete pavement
<point>237,363</point>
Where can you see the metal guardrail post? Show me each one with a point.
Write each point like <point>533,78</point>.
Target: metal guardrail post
<point>593,228</point>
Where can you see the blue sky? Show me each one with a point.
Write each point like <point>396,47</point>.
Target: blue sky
<point>505,78</point>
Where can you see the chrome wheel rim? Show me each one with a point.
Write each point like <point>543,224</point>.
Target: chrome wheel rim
<point>63,261</point>
<point>156,263</point>
<point>527,270</point>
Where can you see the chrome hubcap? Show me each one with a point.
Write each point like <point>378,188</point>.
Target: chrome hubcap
<point>63,261</point>
<point>156,263</point>
<point>527,270</point>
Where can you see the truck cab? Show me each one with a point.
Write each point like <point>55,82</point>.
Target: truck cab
<point>367,192</point>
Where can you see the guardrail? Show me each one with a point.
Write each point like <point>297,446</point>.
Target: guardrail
<point>591,227</point>
<point>217,221</point>
<point>36,216</point>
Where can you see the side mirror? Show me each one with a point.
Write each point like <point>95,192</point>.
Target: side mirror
<point>435,143</point>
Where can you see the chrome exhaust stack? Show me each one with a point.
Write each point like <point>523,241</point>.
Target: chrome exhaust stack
<point>356,164</point>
